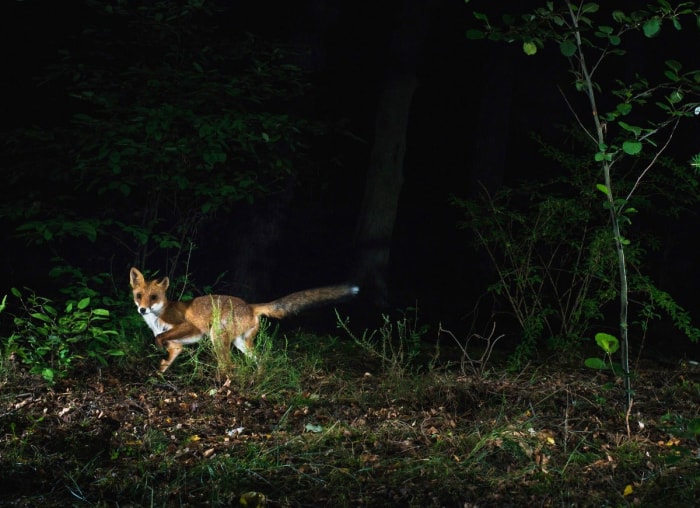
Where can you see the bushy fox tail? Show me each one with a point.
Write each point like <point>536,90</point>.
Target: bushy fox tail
<point>302,300</point>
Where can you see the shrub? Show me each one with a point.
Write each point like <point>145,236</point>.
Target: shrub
<point>52,342</point>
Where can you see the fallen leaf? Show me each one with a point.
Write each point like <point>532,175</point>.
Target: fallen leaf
<point>310,427</point>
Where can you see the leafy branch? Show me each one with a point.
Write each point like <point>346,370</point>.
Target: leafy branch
<point>617,133</point>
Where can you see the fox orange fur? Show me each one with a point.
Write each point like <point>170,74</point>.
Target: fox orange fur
<point>175,324</point>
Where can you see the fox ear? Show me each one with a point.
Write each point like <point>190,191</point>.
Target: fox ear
<point>135,277</point>
<point>164,282</point>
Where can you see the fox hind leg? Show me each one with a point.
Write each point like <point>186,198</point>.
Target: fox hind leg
<point>244,342</point>
<point>221,344</point>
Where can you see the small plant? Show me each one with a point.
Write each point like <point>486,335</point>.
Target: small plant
<point>695,160</point>
<point>395,345</point>
<point>219,347</point>
<point>682,426</point>
<point>51,342</point>
<point>470,364</point>
<point>610,345</point>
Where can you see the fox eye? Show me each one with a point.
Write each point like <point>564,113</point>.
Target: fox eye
<point>154,298</point>
<point>138,296</point>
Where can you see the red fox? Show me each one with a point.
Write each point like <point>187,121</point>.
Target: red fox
<point>175,324</point>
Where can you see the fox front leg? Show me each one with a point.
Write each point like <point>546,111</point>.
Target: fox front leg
<point>174,349</point>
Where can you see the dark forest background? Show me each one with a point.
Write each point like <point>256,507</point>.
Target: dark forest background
<point>265,147</point>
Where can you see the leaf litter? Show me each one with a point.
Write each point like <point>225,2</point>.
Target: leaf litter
<point>347,439</point>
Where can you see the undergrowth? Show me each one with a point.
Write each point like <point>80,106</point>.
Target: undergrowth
<point>321,421</point>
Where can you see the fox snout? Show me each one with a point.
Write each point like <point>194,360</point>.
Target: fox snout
<point>145,308</point>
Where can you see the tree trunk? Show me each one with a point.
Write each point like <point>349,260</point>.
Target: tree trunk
<point>385,172</point>
<point>383,186</point>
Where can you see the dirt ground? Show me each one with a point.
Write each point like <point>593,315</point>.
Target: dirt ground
<point>335,435</point>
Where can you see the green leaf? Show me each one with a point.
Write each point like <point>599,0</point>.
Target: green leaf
<point>607,342</point>
<point>632,147</point>
<point>48,375</point>
<point>529,48</point>
<point>595,363</point>
<point>664,106</point>
<point>567,48</point>
<point>631,128</point>
<point>84,303</point>
<point>652,27</point>
<point>41,317</point>
<point>672,76</point>
<point>694,426</point>
<point>475,35</point>
<point>481,17</point>
<point>589,8</point>
<point>675,97</point>
<point>624,108</point>
<point>602,188</point>
<point>619,16</point>
<point>674,64</point>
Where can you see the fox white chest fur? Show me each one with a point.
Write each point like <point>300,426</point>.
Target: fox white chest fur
<point>154,323</point>
<point>158,325</point>
<point>151,315</point>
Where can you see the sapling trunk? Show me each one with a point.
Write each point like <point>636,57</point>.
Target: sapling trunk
<point>600,129</point>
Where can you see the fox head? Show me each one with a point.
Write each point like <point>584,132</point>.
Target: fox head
<point>149,295</point>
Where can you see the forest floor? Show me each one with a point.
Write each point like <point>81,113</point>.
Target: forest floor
<point>329,423</point>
